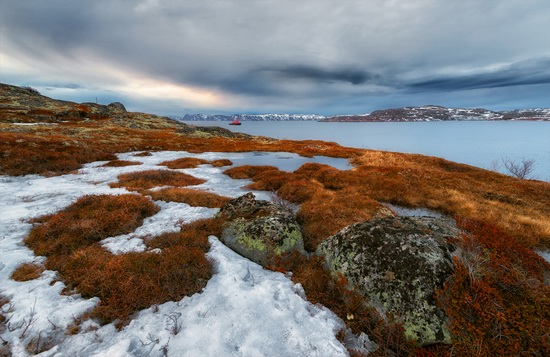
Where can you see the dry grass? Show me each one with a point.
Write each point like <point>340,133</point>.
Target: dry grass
<point>27,271</point>
<point>120,163</point>
<point>330,199</point>
<point>143,180</point>
<point>196,198</point>
<point>184,163</point>
<point>87,221</point>
<point>221,163</point>
<point>247,171</point>
<point>129,282</point>
<point>497,300</point>
<point>143,154</point>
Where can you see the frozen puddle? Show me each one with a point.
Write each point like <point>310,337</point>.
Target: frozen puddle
<point>244,310</point>
<point>413,212</point>
<point>285,161</point>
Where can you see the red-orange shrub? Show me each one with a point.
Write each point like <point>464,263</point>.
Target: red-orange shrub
<point>221,163</point>
<point>27,271</point>
<point>196,198</point>
<point>184,163</point>
<point>501,305</point>
<point>120,163</point>
<point>143,180</point>
<point>89,220</point>
<point>128,282</point>
<point>247,171</point>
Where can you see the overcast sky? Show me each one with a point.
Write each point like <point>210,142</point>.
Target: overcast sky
<point>280,56</point>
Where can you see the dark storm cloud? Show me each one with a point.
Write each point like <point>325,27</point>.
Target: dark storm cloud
<point>352,76</point>
<point>525,73</point>
<point>279,54</point>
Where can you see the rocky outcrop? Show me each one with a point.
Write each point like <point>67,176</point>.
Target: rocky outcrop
<point>260,230</point>
<point>116,108</point>
<point>397,263</point>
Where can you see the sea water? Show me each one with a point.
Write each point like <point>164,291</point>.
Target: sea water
<point>479,143</point>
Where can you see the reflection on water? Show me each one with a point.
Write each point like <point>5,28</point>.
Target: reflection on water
<point>477,143</point>
<point>284,161</point>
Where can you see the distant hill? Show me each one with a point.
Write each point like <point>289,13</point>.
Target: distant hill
<point>423,113</point>
<point>439,113</point>
<point>249,117</point>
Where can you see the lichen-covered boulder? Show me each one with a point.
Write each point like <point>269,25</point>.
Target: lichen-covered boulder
<point>116,108</point>
<point>247,206</point>
<point>397,263</point>
<point>260,230</point>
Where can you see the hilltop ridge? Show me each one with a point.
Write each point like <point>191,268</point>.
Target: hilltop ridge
<point>420,113</point>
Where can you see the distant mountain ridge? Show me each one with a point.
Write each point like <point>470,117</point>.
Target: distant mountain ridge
<point>439,113</point>
<point>405,114</point>
<point>249,117</point>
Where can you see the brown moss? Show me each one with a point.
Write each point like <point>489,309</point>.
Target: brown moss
<point>120,163</point>
<point>142,154</point>
<point>89,220</point>
<point>221,163</point>
<point>142,180</point>
<point>497,299</point>
<point>27,271</point>
<point>247,171</point>
<point>196,198</point>
<point>129,282</point>
<point>184,163</point>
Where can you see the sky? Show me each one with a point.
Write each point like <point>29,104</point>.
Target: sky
<point>323,57</point>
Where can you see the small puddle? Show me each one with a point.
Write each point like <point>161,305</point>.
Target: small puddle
<point>284,161</point>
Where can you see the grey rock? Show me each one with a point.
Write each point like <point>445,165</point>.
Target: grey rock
<point>116,108</point>
<point>397,263</point>
<point>260,230</point>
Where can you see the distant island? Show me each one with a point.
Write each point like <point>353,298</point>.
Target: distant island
<point>405,114</point>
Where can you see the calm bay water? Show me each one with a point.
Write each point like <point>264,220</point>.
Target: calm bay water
<point>479,143</point>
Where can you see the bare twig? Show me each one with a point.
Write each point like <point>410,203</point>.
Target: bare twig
<point>521,170</point>
<point>173,320</point>
<point>30,322</point>
<point>164,348</point>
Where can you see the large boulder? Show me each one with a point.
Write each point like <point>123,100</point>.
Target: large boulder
<point>397,263</point>
<point>260,230</point>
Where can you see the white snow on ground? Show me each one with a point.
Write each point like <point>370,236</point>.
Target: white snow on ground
<point>244,310</point>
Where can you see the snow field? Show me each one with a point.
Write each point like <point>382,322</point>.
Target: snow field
<point>244,310</point>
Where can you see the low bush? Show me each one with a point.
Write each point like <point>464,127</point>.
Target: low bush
<point>196,198</point>
<point>27,271</point>
<point>221,163</point>
<point>247,171</point>
<point>270,180</point>
<point>87,221</point>
<point>497,300</point>
<point>184,163</point>
<point>128,282</point>
<point>142,180</point>
<point>120,163</point>
<point>299,191</point>
<point>142,154</point>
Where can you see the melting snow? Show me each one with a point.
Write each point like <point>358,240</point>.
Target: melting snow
<point>244,309</point>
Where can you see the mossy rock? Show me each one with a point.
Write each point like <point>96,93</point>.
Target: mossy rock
<point>260,230</point>
<point>397,263</point>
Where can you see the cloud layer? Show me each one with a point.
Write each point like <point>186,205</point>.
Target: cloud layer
<point>316,56</point>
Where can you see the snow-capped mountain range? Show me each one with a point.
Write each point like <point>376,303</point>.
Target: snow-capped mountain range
<point>249,117</point>
<point>439,113</point>
<point>422,113</point>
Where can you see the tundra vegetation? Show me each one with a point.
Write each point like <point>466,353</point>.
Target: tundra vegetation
<point>497,299</point>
